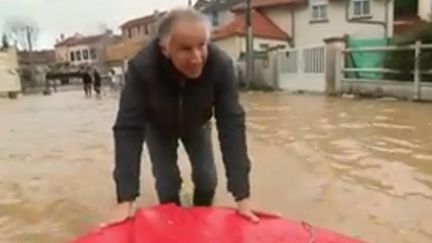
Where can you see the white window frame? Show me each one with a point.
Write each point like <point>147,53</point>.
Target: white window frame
<point>362,4</point>
<point>321,6</point>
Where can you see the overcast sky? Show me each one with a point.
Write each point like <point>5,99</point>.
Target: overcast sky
<point>84,16</point>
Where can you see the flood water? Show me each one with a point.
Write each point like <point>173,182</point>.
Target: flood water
<point>359,167</point>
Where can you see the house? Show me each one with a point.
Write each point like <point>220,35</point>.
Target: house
<point>309,22</point>
<point>145,26</point>
<point>136,33</point>
<point>219,12</point>
<point>232,37</point>
<point>83,50</point>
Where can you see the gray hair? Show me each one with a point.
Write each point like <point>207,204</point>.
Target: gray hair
<point>188,14</point>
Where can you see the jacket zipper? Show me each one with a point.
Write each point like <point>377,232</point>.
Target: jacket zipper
<point>180,110</point>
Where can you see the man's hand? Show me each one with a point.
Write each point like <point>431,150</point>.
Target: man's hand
<point>244,208</point>
<point>122,211</point>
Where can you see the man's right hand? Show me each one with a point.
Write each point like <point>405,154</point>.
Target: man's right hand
<point>122,211</point>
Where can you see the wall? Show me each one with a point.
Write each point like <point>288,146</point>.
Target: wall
<point>379,89</point>
<point>307,33</point>
<point>61,54</point>
<point>9,78</point>
<point>236,44</point>
<point>224,17</point>
<point>81,48</point>
<point>425,9</point>
<point>281,16</point>
<point>230,45</point>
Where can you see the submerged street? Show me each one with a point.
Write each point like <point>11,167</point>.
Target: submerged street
<point>359,167</point>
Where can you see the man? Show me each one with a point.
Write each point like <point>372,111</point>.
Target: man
<point>87,81</point>
<point>172,88</point>
<point>97,84</point>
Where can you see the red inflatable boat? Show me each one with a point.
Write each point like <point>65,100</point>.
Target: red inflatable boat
<point>173,224</point>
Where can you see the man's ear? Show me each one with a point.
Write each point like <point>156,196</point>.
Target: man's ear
<point>164,47</point>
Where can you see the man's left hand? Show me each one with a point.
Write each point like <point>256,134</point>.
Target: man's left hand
<point>244,208</point>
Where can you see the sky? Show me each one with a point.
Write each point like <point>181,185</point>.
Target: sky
<point>54,17</point>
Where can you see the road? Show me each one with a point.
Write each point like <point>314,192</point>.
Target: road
<point>359,167</point>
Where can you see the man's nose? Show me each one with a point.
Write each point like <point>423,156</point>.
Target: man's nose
<point>196,55</point>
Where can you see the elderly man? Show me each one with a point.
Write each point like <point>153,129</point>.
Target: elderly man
<point>173,88</point>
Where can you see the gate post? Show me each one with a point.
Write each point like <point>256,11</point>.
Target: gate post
<point>333,68</point>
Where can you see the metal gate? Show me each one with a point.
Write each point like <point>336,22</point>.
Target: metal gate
<point>302,69</point>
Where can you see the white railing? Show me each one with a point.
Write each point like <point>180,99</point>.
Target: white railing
<point>416,83</point>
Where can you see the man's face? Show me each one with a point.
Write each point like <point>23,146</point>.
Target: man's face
<point>187,47</point>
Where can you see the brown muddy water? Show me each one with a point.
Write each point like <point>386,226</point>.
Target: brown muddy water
<point>359,167</point>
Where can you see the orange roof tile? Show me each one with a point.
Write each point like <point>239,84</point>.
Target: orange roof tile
<point>261,27</point>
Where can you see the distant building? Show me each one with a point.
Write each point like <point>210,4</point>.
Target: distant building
<point>267,35</point>
<point>143,27</point>
<point>83,50</point>
<point>309,22</point>
<point>136,33</point>
<point>218,12</point>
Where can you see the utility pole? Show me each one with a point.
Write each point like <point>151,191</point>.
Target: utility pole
<point>249,44</point>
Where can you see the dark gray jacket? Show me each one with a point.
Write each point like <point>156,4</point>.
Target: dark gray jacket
<point>154,95</point>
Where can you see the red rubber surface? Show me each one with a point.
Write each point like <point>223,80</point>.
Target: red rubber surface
<point>172,224</point>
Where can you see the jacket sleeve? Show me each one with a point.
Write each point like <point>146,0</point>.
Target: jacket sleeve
<point>129,136</point>
<point>230,121</point>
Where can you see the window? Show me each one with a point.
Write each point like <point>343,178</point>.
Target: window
<point>146,29</point>
<point>215,18</point>
<point>72,56</point>
<point>129,31</point>
<point>264,46</point>
<point>78,55</point>
<point>93,54</point>
<point>319,10</point>
<point>361,8</point>
<point>85,55</point>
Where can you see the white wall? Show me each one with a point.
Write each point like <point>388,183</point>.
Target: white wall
<point>61,54</point>
<point>9,78</point>
<point>81,48</point>
<point>425,9</point>
<point>307,33</point>
<point>234,45</point>
<point>281,16</point>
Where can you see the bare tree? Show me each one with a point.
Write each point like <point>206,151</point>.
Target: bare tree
<point>22,32</point>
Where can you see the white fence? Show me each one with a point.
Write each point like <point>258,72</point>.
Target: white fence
<point>412,89</point>
<point>302,69</point>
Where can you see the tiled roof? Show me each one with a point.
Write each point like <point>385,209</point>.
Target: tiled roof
<point>86,40</point>
<point>65,42</point>
<point>269,3</point>
<point>142,20</point>
<point>261,27</point>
